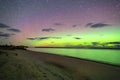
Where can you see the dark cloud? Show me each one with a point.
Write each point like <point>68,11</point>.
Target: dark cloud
<point>74,25</point>
<point>31,38</point>
<point>113,42</point>
<point>97,25</point>
<point>14,30</point>
<point>43,38</point>
<point>9,28</point>
<point>4,25</point>
<point>58,24</point>
<point>38,38</point>
<point>5,34</point>
<point>95,43</point>
<point>77,38</point>
<point>48,29</point>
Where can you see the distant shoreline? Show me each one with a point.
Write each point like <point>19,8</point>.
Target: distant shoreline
<point>79,48</point>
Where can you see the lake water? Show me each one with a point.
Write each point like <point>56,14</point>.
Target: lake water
<point>100,55</point>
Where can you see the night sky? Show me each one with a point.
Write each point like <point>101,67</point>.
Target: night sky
<point>59,22</point>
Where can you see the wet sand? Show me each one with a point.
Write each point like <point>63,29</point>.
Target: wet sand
<point>80,69</point>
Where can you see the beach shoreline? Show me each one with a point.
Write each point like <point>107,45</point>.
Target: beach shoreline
<point>106,63</point>
<point>97,70</point>
<point>78,68</point>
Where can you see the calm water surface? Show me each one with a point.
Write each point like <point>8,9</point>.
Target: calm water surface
<point>100,55</point>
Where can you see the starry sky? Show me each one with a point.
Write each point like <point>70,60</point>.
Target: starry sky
<point>59,23</point>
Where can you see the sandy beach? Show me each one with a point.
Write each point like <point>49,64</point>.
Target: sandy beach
<point>45,66</point>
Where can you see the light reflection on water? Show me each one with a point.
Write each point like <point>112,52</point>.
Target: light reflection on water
<point>100,55</point>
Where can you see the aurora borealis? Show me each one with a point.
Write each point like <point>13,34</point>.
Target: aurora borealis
<point>59,23</point>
